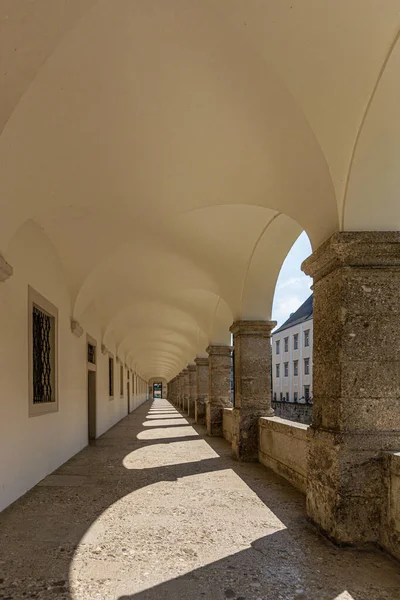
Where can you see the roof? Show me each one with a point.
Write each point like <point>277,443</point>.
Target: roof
<point>302,314</point>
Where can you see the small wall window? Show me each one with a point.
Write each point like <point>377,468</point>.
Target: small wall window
<point>287,396</point>
<point>295,396</point>
<point>306,366</point>
<point>296,341</point>
<point>295,368</point>
<point>278,346</point>
<point>281,396</point>
<point>111,377</point>
<point>286,369</point>
<point>278,370</point>
<point>91,353</point>
<point>43,354</point>
<point>307,393</point>
<point>121,381</point>
<point>307,337</point>
<point>286,344</point>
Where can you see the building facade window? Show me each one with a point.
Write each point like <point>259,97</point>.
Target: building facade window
<point>287,396</point>
<point>111,377</point>
<point>296,341</point>
<point>281,396</point>
<point>306,366</point>
<point>286,342</point>
<point>295,396</point>
<point>286,369</point>
<point>274,396</point>
<point>277,346</point>
<point>307,393</point>
<point>295,368</point>
<point>43,354</point>
<point>278,370</point>
<point>307,338</point>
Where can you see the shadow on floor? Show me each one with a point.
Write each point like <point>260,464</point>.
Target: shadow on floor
<point>174,517</point>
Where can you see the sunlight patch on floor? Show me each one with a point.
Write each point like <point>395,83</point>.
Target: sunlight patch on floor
<point>167,432</point>
<point>172,453</point>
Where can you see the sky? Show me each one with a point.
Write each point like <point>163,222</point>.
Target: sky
<point>293,287</point>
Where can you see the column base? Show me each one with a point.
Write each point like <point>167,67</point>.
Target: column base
<point>200,412</point>
<point>245,433</point>
<point>191,408</point>
<point>345,496</point>
<point>214,420</point>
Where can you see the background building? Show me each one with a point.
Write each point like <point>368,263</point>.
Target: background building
<point>292,358</point>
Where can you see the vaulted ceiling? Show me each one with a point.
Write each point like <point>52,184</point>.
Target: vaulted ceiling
<point>173,150</point>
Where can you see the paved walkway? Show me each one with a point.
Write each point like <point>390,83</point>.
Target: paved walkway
<point>155,510</point>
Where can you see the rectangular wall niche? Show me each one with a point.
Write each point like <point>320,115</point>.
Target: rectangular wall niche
<point>111,377</point>
<point>43,354</point>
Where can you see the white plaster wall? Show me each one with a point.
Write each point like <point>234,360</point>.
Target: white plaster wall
<point>30,448</point>
<point>291,383</point>
<point>33,447</point>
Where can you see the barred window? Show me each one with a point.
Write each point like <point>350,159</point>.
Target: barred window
<point>43,323</point>
<point>111,377</point>
<point>91,353</point>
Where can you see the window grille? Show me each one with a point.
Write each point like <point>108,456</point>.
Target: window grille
<point>111,377</point>
<point>91,354</point>
<point>42,342</point>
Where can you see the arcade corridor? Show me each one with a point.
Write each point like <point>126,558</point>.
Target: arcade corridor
<point>156,510</point>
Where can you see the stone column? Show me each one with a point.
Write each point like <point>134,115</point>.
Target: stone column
<point>180,391</point>
<point>219,387</point>
<point>201,390</point>
<point>192,390</point>
<point>252,357</point>
<point>185,389</point>
<point>356,380</point>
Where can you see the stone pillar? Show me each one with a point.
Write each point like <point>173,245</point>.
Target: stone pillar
<point>192,390</point>
<point>185,389</point>
<point>180,391</point>
<point>252,358</point>
<point>201,390</point>
<point>219,387</point>
<point>356,380</point>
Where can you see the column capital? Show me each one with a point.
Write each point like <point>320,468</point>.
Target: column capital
<point>76,328</point>
<point>6,269</point>
<point>191,367</point>
<point>256,328</point>
<point>354,249</point>
<point>201,362</point>
<point>218,350</point>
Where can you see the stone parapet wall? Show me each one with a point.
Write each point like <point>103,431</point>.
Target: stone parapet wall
<point>227,423</point>
<point>283,448</point>
<point>293,411</point>
<point>390,523</point>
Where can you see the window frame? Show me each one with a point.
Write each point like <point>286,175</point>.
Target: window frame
<point>306,338</point>
<point>295,341</point>
<point>307,387</point>
<point>44,305</point>
<point>278,370</point>
<point>286,344</point>
<point>306,366</point>
<point>277,346</point>
<point>295,396</point>
<point>295,368</point>
<point>111,377</point>
<point>286,369</point>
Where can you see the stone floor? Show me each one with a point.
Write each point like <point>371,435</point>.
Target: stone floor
<point>156,510</point>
